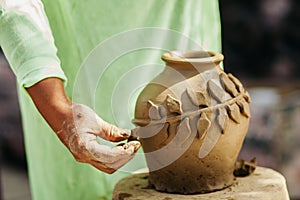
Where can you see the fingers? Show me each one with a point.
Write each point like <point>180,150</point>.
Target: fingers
<point>132,144</point>
<point>86,120</point>
<point>110,155</point>
<point>119,163</point>
<point>114,157</point>
<point>85,148</point>
<point>102,167</point>
<point>113,133</point>
<point>112,167</point>
<point>108,159</point>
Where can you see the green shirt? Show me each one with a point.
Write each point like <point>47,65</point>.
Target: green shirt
<point>108,50</point>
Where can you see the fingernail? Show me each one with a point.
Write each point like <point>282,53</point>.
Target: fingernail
<point>125,133</point>
<point>135,144</point>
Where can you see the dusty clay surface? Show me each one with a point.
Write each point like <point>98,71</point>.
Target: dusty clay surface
<point>263,184</point>
<point>193,118</point>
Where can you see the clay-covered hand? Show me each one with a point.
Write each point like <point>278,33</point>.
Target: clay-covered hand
<point>82,134</point>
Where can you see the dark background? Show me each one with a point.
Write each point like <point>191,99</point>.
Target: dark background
<point>261,38</point>
<point>261,46</point>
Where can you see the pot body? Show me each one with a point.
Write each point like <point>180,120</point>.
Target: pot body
<point>193,118</point>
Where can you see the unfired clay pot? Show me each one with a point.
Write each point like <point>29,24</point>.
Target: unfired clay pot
<point>193,119</point>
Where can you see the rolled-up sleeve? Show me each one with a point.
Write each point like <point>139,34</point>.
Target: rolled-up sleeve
<point>27,43</point>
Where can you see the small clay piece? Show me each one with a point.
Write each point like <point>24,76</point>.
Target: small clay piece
<point>187,104</point>
<point>234,112</point>
<point>198,98</point>
<point>194,131</point>
<point>229,85</point>
<point>222,119</point>
<point>247,97</point>
<point>237,83</point>
<point>184,132</point>
<point>203,125</point>
<point>154,111</point>
<point>132,138</point>
<point>209,141</point>
<point>244,107</point>
<point>215,91</point>
<point>244,168</point>
<point>173,105</point>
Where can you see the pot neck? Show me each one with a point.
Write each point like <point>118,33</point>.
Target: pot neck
<point>192,62</point>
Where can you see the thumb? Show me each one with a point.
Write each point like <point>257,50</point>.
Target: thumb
<point>86,120</point>
<point>112,133</point>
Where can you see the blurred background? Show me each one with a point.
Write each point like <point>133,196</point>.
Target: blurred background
<point>261,45</point>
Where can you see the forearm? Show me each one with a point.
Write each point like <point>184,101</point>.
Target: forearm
<point>28,45</point>
<point>79,134</point>
<point>51,100</point>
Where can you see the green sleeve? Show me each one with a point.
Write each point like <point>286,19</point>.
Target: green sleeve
<point>32,55</point>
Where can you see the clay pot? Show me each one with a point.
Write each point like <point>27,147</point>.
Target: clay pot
<point>193,119</point>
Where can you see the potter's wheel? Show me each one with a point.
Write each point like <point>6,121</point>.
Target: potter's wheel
<point>263,184</point>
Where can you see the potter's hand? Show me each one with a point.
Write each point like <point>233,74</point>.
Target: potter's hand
<point>78,127</point>
<point>80,132</point>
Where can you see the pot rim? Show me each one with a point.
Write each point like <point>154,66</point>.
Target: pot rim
<point>192,56</point>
